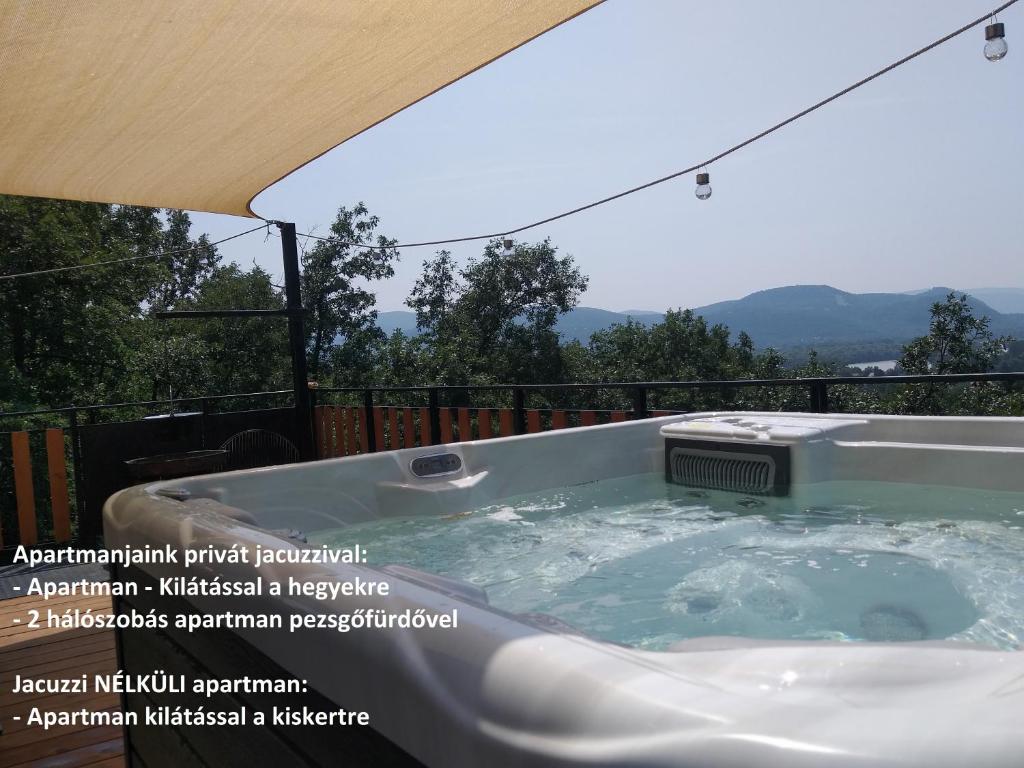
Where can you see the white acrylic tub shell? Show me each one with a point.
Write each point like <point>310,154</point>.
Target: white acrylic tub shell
<point>502,690</point>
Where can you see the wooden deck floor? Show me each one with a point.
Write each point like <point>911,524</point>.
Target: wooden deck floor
<point>55,653</point>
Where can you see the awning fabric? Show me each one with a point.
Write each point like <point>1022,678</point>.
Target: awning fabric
<point>202,104</point>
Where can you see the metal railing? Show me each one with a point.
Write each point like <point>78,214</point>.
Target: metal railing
<point>430,415</point>
<point>638,392</point>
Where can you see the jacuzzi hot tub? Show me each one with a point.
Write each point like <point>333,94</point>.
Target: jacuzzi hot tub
<point>726,589</point>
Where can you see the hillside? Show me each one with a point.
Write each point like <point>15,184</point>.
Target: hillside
<point>843,326</point>
<point>1000,299</point>
<point>808,315</point>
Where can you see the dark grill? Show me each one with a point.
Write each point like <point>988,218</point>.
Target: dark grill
<point>724,470</point>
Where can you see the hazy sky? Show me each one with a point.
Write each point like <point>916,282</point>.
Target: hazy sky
<point>913,181</point>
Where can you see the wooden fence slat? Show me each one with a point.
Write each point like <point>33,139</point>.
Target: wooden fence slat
<point>408,430</point>
<point>351,442</point>
<point>378,427</point>
<point>318,430</point>
<point>558,420</point>
<point>325,426</point>
<point>339,431</point>
<point>483,422</point>
<point>446,425</point>
<point>393,428</point>
<point>340,426</point>
<point>465,426</point>
<point>425,426</point>
<point>588,418</point>
<point>56,462</point>
<point>364,434</point>
<point>23,492</point>
<point>506,424</point>
<point>618,416</point>
<point>533,420</point>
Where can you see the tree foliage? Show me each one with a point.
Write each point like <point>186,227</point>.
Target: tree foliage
<point>89,335</point>
<point>957,342</point>
<point>340,307</point>
<point>494,319</point>
<point>67,336</point>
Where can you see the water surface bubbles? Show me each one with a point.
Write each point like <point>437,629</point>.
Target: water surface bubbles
<point>637,561</point>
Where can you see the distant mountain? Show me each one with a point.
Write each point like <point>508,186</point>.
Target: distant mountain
<point>813,315</point>
<point>583,322</point>
<point>842,326</point>
<point>1006,300</point>
<point>397,320</point>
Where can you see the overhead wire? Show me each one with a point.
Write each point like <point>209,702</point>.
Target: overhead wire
<point>109,262</point>
<point>703,164</point>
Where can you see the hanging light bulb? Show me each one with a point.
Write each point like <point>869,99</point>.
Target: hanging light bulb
<point>506,248</point>
<point>995,41</point>
<point>703,191</point>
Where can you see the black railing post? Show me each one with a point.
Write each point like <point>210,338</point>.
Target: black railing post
<point>297,340</point>
<point>204,407</point>
<point>76,473</point>
<point>369,424</point>
<point>318,448</point>
<point>434,407</point>
<point>640,410</point>
<point>819,396</point>
<point>519,410</point>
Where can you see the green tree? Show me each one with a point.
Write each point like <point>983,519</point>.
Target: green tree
<point>494,319</point>
<point>88,335</point>
<point>225,355</point>
<point>185,263</point>
<point>957,342</point>
<point>68,336</point>
<point>340,308</point>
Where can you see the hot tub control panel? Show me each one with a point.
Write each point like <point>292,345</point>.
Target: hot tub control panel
<point>436,464</point>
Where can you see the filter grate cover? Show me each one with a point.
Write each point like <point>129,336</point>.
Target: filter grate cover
<point>728,466</point>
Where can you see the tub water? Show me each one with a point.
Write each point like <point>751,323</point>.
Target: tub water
<point>645,563</point>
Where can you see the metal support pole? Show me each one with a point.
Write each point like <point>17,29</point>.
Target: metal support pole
<point>640,410</point>
<point>297,340</point>
<point>204,404</point>
<point>369,423</point>
<point>76,472</point>
<point>819,396</point>
<point>433,403</point>
<point>519,410</point>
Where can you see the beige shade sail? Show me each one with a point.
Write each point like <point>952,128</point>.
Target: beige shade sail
<point>202,104</point>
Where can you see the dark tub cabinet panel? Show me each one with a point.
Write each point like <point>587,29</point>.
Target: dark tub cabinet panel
<point>221,654</point>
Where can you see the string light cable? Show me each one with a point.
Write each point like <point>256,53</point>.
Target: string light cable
<point>129,258</point>
<point>995,49</point>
